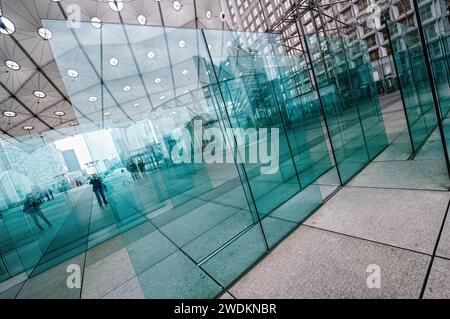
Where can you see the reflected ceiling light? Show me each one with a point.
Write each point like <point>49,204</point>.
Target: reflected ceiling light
<point>12,65</point>
<point>114,61</point>
<point>184,72</point>
<point>39,94</point>
<point>136,105</point>
<point>96,22</point>
<point>72,73</point>
<point>151,55</point>
<point>227,63</point>
<point>6,25</point>
<point>56,0</point>
<point>142,20</point>
<point>92,99</point>
<point>59,113</point>
<point>9,113</point>
<point>185,91</point>
<point>28,127</point>
<point>177,5</point>
<point>107,113</point>
<point>162,97</point>
<point>45,33</point>
<point>181,43</point>
<point>116,5</point>
<point>73,124</point>
<point>127,88</point>
<point>229,44</point>
<point>158,80</point>
<point>208,14</point>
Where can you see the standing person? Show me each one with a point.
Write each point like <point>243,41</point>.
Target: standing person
<point>99,189</point>
<point>50,192</point>
<point>141,166</point>
<point>134,170</point>
<point>32,207</point>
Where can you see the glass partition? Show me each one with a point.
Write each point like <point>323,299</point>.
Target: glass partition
<point>194,152</point>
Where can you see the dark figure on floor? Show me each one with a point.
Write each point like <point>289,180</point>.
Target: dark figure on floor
<point>50,193</point>
<point>32,207</point>
<point>133,170</point>
<point>99,189</point>
<point>141,166</point>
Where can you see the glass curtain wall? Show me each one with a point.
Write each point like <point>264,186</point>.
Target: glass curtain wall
<point>197,151</point>
<point>350,103</point>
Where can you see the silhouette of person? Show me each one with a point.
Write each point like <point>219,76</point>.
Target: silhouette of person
<point>32,207</point>
<point>99,189</point>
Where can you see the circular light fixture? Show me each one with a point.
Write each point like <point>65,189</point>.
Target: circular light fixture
<point>45,34</point>
<point>182,43</point>
<point>6,26</point>
<point>114,61</point>
<point>39,94</point>
<point>185,72</point>
<point>92,99</point>
<point>208,14</point>
<point>12,65</point>
<point>158,80</point>
<point>177,5</point>
<point>72,73</point>
<point>142,20</point>
<point>9,113</point>
<point>151,55</point>
<point>73,124</point>
<point>59,113</point>
<point>127,88</point>
<point>28,127</point>
<point>116,5</point>
<point>162,97</point>
<point>96,22</point>
<point>107,113</point>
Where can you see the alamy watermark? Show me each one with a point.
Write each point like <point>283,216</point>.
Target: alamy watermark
<point>212,146</point>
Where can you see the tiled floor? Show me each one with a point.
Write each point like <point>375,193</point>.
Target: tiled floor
<point>389,216</point>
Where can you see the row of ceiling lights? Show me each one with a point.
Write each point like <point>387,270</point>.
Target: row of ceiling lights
<point>7,27</point>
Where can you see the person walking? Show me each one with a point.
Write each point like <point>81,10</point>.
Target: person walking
<point>141,166</point>
<point>32,207</point>
<point>99,189</point>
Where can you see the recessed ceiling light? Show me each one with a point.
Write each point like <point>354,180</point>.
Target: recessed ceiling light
<point>28,127</point>
<point>184,72</point>
<point>45,34</point>
<point>73,124</point>
<point>116,5</point>
<point>114,61</point>
<point>142,20</point>
<point>107,113</point>
<point>72,73</point>
<point>208,14</point>
<point>39,94</point>
<point>59,113</point>
<point>136,105</point>
<point>181,43</point>
<point>13,65</point>
<point>162,97</point>
<point>127,88</point>
<point>151,55</point>
<point>96,22</point>
<point>9,113</point>
<point>177,5</point>
<point>92,99</point>
<point>158,80</point>
<point>185,91</point>
<point>7,27</point>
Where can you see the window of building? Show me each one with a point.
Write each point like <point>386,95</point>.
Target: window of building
<point>403,6</point>
<point>371,41</point>
<point>374,55</point>
<point>362,5</point>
